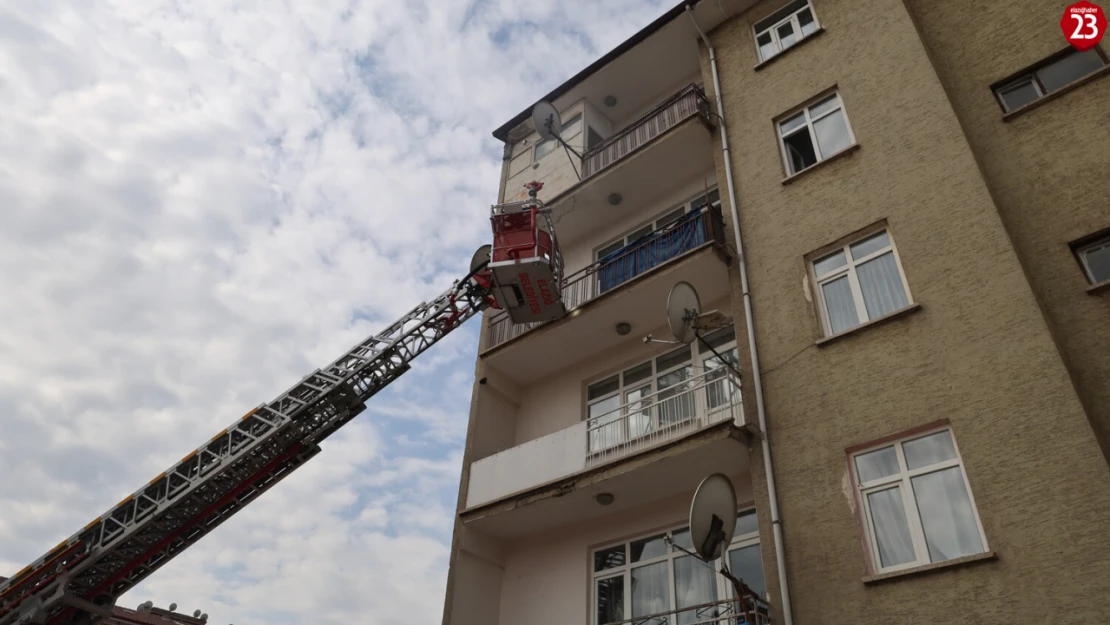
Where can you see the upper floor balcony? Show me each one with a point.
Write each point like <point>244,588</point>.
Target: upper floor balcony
<point>620,264</point>
<point>686,104</point>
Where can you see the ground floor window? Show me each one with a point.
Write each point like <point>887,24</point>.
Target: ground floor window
<point>646,577</point>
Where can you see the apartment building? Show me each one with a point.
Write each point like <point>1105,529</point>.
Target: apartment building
<point>919,192</point>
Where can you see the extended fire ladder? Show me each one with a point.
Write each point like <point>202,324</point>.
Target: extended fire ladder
<point>81,578</point>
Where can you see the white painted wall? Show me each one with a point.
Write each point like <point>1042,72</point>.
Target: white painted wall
<point>527,465</point>
<point>663,94</point>
<point>477,584</point>
<point>546,579</point>
<point>495,426</point>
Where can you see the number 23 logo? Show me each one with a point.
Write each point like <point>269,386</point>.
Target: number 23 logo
<point>1086,26</point>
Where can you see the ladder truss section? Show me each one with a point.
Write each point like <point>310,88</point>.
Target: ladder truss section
<point>148,528</point>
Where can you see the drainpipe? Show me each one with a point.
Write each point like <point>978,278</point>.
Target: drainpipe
<point>757,379</point>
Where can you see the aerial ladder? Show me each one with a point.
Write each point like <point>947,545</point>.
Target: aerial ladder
<point>78,581</point>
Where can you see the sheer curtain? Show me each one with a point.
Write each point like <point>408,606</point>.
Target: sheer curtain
<point>694,584</point>
<point>649,590</point>
<point>892,532</point>
<point>881,285</point>
<point>840,305</point>
<point>946,515</point>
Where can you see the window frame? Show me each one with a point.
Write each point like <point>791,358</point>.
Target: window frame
<point>672,554</point>
<point>1095,241</point>
<point>792,18</point>
<point>903,479</point>
<point>845,246</point>
<point>1030,75</point>
<point>809,122</point>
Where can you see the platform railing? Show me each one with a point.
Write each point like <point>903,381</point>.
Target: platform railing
<point>705,399</point>
<point>656,248</point>
<point>682,105</point>
<point>751,611</point>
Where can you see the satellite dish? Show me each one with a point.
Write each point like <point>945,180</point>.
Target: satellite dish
<point>196,613</point>
<point>713,516</point>
<point>683,307</point>
<point>173,606</point>
<point>546,120</point>
<point>480,256</point>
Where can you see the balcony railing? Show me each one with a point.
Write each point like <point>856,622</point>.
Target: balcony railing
<point>711,397</point>
<point>703,400</point>
<point>693,230</point>
<point>687,103</point>
<point>751,611</point>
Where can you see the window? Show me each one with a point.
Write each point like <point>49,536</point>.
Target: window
<point>655,394</point>
<point>647,576</point>
<point>859,282</point>
<point>784,28</point>
<point>1095,259</point>
<point>917,503</point>
<point>571,129</point>
<point>1054,73</point>
<point>814,134</point>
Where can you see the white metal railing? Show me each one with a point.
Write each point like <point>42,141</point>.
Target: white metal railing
<point>712,397</point>
<point>750,611</point>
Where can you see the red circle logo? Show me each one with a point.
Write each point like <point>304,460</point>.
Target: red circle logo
<point>1083,24</point>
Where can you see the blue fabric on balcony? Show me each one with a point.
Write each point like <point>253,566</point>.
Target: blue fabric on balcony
<point>651,250</point>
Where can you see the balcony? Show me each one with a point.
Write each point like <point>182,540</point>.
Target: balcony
<point>695,230</point>
<point>688,103</point>
<point>629,430</point>
<point>751,610</point>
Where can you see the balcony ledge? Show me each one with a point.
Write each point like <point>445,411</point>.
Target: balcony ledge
<point>927,568</point>
<point>564,486</point>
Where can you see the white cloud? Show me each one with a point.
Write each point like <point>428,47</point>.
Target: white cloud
<point>202,201</point>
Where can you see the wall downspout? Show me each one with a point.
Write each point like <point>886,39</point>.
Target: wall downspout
<point>757,380</point>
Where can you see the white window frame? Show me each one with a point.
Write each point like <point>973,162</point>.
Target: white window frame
<point>773,30</point>
<point>1032,76</point>
<point>909,501</point>
<point>808,127</point>
<point>853,279</point>
<point>1082,251</point>
<point>724,588</point>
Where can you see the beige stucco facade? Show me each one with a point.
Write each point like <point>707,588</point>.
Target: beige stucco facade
<point>981,211</point>
<point>1004,342</point>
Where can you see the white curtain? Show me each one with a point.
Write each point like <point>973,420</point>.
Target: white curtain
<point>881,285</point>
<point>832,133</point>
<point>649,590</point>
<point>840,305</point>
<point>892,533</point>
<point>695,584</point>
<point>946,515</point>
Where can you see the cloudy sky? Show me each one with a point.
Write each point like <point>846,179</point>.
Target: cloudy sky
<point>203,200</point>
